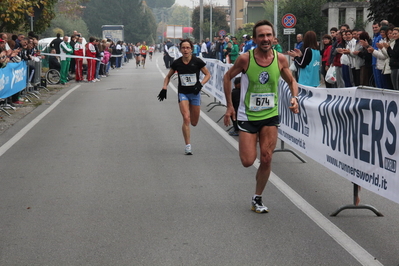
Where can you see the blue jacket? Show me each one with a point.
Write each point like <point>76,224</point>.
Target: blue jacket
<point>376,39</point>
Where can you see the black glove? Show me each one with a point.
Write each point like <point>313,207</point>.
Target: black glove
<point>162,95</point>
<point>198,88</point>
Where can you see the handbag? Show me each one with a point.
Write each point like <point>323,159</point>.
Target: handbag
<point>345,60</point>
<point>331,75</point>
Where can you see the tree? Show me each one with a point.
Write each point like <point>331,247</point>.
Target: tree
<point>160,3</point>
<point>384,9</point>
<point>218,21</point>
<point>308,16</point>
<point>16,15</point>
<point>135,15</point>
<point>180,15</point>
<point>66,25</point>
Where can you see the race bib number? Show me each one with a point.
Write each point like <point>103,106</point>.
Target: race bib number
<point>188,79</point>
<point>261,101</point>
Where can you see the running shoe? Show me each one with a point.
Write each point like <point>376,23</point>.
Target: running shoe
<point>188,150</point>
<point>257,205</point>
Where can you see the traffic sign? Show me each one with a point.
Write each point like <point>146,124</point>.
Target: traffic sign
<point>289,31</point>
<point>288,21</point>
<point>222,33</point>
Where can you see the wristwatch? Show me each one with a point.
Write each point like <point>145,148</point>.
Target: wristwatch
<point>296,97</point>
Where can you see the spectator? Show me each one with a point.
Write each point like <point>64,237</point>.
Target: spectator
<point>366,71</point>
<point>91,63</point>
<point>55,44</point>
<point>377,73</point>
<point>66,49</point>
<point>299,42</point>
<point>393,52</point>
<point>249,44</point>
<point>235,51</point>
<point>276,45</point>
<point>167,59</point>
<point>72,42</point>
<point>325,54</point>
<point>335,59</point>
<point>204,49</point>
<point>309,61</point>
<point>79,51</point>
<point>235,98</point>
<point>53,61</point>
<point>381,55</point>
<point>358,62</point>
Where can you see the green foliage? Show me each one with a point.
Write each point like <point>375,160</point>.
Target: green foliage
<point>137,18</point>
<point>218,22</point>
<point>66,25</point>
<point>180,15</point>
<point>246,29</point>
<point>384,9</point>
<point>160,3</point>
<point>16,15</point>
<point>308,16</point>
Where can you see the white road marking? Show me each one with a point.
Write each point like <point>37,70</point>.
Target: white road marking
<point>353,248</point>
<point>6,146</point>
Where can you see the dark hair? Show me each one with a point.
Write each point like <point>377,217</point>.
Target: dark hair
<point>350,31</point>
<point>328,36</point>
<point>365,36</point>
<point>237,80</point>
<point>344,25</point>
<point>262,23</point>
<point>334,29</point>
<point>187,40</point>
<point>310,40</point>
<point>376,23</point>
<point>92,39</point>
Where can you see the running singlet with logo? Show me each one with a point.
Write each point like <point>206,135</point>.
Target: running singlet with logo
<point>143,49</point>
<point>188,73</point>
<point>259,90</point>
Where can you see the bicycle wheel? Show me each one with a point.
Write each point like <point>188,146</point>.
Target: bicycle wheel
<point>53,76</point>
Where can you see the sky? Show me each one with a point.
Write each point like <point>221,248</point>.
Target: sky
<point>189,3</point>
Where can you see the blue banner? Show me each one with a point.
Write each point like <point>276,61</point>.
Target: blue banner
<point>12,79</point>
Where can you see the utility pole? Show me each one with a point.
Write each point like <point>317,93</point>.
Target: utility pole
<point>201,19</point>
<point>210,10</point>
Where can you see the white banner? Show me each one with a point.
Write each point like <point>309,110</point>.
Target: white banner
<point>215,85</point>
<point>351,131</point>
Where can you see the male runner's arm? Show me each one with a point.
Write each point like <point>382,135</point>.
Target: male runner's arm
<point>240,65</point>
<point>287,76</point>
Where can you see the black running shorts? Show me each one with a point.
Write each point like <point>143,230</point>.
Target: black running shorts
<point>255,126</point>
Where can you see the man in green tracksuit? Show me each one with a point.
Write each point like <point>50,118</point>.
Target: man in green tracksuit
<point>65,49</point>
<point>257,113</point>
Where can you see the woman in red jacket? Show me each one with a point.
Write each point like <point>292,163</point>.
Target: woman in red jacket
<point>325,56</point>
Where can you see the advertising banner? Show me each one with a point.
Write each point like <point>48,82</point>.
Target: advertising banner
<point>12,79</point>
<point>351,131</point>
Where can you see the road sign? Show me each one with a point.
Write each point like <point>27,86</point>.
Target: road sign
<point>288,21</point>
<point>289,31</point>
<point>222,33</point>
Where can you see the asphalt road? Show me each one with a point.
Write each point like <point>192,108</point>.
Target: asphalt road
<point>99,177</point>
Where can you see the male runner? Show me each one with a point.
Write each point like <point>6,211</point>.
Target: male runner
<point>188,69</point>
<point>143,53</point>
<point>151,51</point>
<point>258,111</point>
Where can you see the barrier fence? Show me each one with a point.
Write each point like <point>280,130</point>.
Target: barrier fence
<point>351,131</point>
